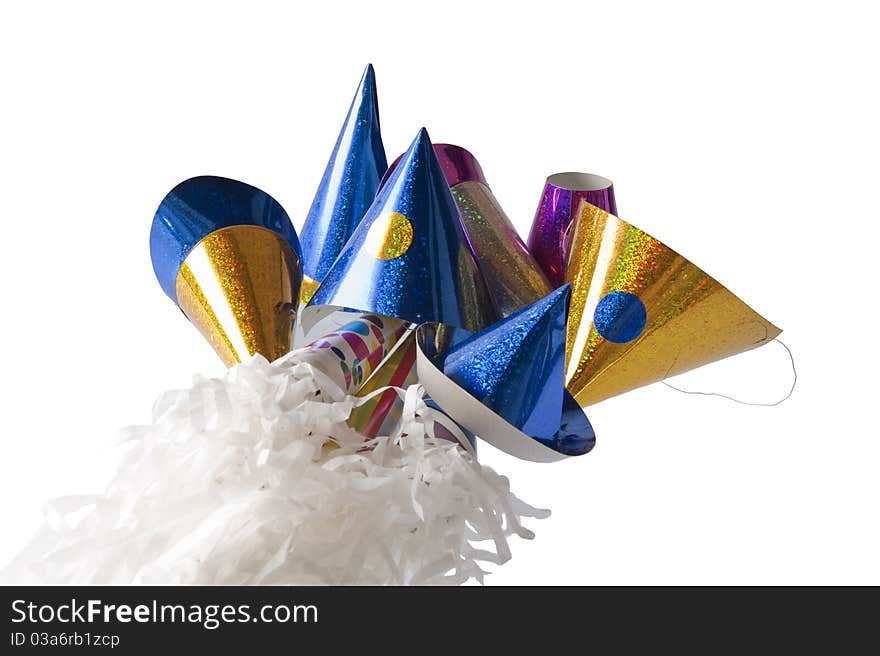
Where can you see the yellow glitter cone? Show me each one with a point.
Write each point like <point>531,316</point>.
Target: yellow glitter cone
<point>640,312</point>
<point>238,287</point>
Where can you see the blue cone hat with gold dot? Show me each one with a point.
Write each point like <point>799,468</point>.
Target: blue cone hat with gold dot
<point>227,254</point>
<point>410,258</point>
<point>347,188</point>
<point>507,383</point>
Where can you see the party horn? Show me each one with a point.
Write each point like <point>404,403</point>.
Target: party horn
<point>382,409</point>
<point>558,207</point>
<point>227,254</point>
<point>506,383</point>
<point>380,413</point>
<point>347,188</point>
<point>360,358</point>
<point>640,312</point>
<point>512,274</point>
<point>409,258</point>
<point>351,353</point>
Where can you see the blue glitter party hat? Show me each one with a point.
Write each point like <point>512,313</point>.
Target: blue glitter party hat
<point>516,369</point>
<point>348,186</point>
<point>410,258</point>
<point>227,255</point>
<point>197,207</point>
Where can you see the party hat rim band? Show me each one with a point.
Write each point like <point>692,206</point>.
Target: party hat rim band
<point>587,206</point>
<point>481,420</point>
<point>579,181</point>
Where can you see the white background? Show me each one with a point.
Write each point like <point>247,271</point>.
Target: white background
<point>745,137</point>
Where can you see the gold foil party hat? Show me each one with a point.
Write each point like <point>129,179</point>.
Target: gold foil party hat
<point>640,312</point>
<point>239,286</point>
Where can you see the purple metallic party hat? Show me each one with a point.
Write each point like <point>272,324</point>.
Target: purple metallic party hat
<point>347,188</point>
<point>559,204</point>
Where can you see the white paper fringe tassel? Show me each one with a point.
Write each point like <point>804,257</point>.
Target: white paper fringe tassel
<point>237,481</point>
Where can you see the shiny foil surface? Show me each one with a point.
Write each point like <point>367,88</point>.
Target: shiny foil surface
<point>240,287</point>
<point>558,206</point>
<point>348,186</point>
<point>516,369</point>
<point>640,312</point>
<point>197,207</point>
<point>381,413</point>
<point>410,258</point>
<point>350,354</point>
<point>308,289</point>
<point>512,274</point>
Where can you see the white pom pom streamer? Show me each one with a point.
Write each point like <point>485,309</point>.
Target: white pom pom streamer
<point>238,481</point>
